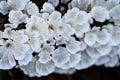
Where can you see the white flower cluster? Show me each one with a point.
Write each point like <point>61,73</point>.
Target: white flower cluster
<point>87,34</point>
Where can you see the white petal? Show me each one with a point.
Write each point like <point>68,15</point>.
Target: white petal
<point>31,8</point>
<point>73,46</point>
<point>47,7</point>
<point>90,39</point>
<point>17,4</point>
<point>60,56</point>
<point>103,36</point>
<point>45,69</point>
<point>101,11</point>
<point>20,51</point>
<point>104,49</point>
<point>54,2</point>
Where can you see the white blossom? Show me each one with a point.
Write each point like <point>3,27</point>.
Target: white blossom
<point>17,4</point>
<point>73,46</point>
<point>12,51</point>
<point>90,38</point>
<point>101,11</point>
<point>31,8</point>
<point>60,56</point>
<point>47,7</point>
<point>54,2</point>
<point>4,7</point>
<point>17,17</point>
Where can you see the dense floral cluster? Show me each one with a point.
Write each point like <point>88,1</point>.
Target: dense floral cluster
<point>49,41</point>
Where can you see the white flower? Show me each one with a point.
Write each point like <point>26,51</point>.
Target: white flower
<point>35,68</point>
<point>81,18</point>
<point>85,62</point>
<point>28,58</point>
<point>81,29</point>
<point>54,19</point>
<point>47,7</point>
<point>65,29</point>
<point>30,69</point>
<point>112,3</point>
<point>81,4</point>
<point>54,2</point>
<point>37,24</point>
<point>90,38</point>
<point>17,4</point>
<point>114,13</point>
<point>104,49</point>
<point>115,36</point>
<point>31,8</point>
<point>33,40</point>
<point>93,53</point>
<point>12,51</point>
<point>45,16</point>
<point>60,56</point>
<point>101,11</point>
<point>4,7</point>
<point>103,36</point>
<point>46,53</point>
<point>109,60</point>
<point>17,17</point>
<point>17,36</point>
<point>74,60</point>
<point>6,59</point>
<point>45,69</point>
<point>72,45</point>
<point>83,46</point>
<point>71,15</point>
<point>112,61</point>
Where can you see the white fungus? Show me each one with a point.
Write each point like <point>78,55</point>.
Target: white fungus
<point>40,42</point>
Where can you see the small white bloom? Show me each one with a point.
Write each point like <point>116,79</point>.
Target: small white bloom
<point>17,4</point>
<point>90,38</point>
<point>54,18</point>
<point>74,60</point>
<point>99,13</point>
<point>4,7</point>
<point>85,62</point>
<point>47,7</point>
<point>71,15</point>
<point>54,2</point>
<point>81,18</point>
<point>104,49</point>
<point>31,8</point>
<point>28,58</point>
<point>103,36</point>
<point>45,53</point>
<point>73,46</point>
<point>60,56</point>
<point>33,40</point>
<point>12,51</point>
<point>115,36</point>
<point>114,13</point>
<point>45,69</point>
<point>17,17</point>
<point>30,69</point>
<point>37,24</point>
<point>93,53</point>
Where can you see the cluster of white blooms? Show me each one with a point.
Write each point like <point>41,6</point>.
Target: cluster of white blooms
<point>87,34</point>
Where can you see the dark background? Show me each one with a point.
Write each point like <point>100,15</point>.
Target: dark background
<point>92,73</point>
